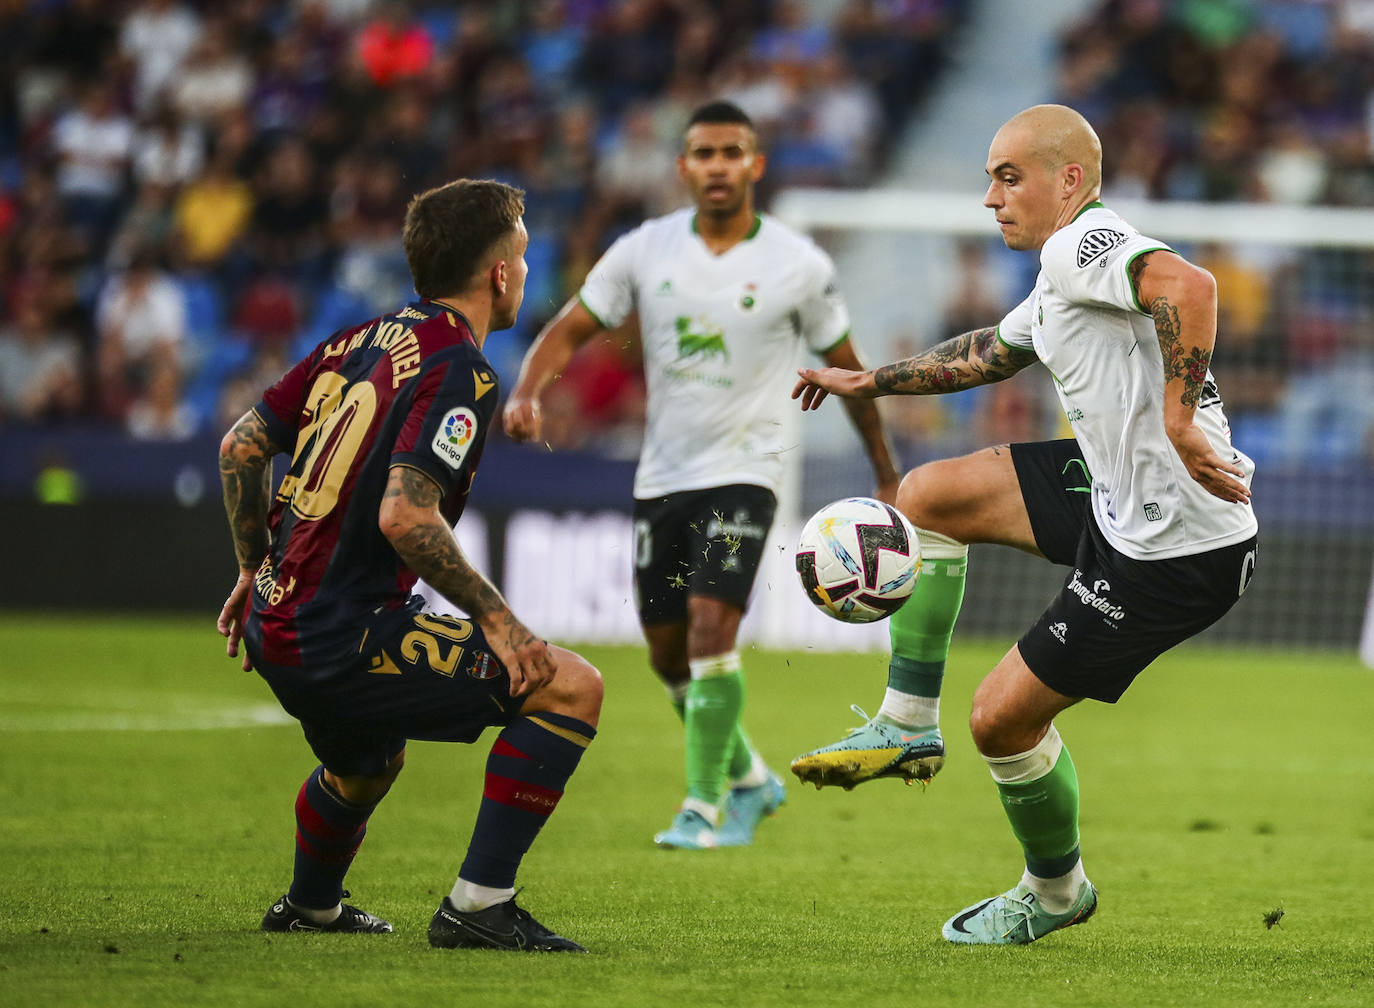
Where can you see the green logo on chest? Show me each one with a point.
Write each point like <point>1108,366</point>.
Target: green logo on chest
<point>699,341</point>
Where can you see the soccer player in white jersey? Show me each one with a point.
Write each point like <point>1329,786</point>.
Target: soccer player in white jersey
<point>1148,504</point>
<point>727,299</point>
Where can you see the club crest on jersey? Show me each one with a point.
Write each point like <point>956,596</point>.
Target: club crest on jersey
<point>1096,244</point>
<point>747,301</point>
<point>484,667</point>
<point>455,436</point>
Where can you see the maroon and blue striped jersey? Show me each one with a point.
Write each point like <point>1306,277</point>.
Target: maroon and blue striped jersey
<point>411,389</point>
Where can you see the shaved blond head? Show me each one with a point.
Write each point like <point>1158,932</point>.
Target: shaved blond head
<point>1046,166</point>
<point>1057,135</point>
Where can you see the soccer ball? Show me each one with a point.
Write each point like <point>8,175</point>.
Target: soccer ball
<point>858,559</point>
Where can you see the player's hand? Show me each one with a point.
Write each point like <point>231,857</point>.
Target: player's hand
<point>527,658</point>
<point>814,384</point>
<point>523,418</point>
<point>230,622</point>
<point>1220,478</point>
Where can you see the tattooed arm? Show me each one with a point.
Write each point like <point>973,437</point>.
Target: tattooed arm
<point>410,519</point>
<point>975,358</point>
<point>1182,300</point>
<point>245,473</point>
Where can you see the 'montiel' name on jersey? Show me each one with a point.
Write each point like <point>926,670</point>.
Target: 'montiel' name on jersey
<point>408,389</point>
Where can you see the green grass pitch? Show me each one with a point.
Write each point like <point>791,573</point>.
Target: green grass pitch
<point>147,823</point>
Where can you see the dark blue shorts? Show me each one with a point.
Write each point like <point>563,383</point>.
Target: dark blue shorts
<point>418,676</point>
<point>1115,614</point>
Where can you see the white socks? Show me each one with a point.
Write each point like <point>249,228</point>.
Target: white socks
<point>469,897</point>
<point>908,710</point>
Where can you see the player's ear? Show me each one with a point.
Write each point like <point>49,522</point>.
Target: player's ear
<point>760,163</point>
<point>1073,177</point>
<point>497,276</point>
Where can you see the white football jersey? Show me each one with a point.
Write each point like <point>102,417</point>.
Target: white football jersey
<point>1083,322</point>
<point>722,339</point>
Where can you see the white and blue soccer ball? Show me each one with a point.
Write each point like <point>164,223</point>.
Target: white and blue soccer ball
<point>858,559</point>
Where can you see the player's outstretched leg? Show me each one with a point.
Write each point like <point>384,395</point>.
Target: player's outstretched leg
<point>903,740</point>
<point>1039,790</point>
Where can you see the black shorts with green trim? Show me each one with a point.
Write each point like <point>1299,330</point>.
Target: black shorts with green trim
<point>1114,614</point>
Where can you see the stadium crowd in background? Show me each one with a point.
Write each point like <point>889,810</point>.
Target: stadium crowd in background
<point>260,153</point>
<point>180,181</point>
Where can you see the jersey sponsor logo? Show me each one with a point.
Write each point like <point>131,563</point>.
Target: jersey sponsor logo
<point>1096,244</point>
<point>1095,598</point>
<point>699,340</point>
<point>1059,631</point>
<point>1153,512</point>
<point>455,436</point>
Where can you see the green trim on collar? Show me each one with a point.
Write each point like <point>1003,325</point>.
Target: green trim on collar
<point>1094,205</point>
<point>758,223</point>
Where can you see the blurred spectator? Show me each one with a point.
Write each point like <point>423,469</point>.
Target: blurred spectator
<point>369,207</point>
<point>93,143</point>
<point>636,175</point>
<point>40,368</point>
<point>158,412</point>
<point>394,47</point>
<point>149,220</point>
<point>629,55</point>
<point>288,231</point>
<point>212,214</point>
<point>141,322</point>
<point>268,148</point>
<point>168,150</point>
<point>216,77</point>
<point>551,47</point>
<point>156,38</point>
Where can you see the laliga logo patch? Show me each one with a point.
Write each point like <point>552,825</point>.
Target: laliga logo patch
<point>1096,244</point>
<point>455,436</point>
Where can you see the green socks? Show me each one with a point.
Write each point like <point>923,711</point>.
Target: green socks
<point>716,745</point>
<point>920,632</point>
<point>1039,790</point>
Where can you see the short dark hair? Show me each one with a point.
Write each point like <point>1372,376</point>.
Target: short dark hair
<point>720,112</point>
<point>450,228</point>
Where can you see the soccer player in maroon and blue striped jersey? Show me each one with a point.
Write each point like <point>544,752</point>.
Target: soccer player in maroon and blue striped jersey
<point>384,425</point>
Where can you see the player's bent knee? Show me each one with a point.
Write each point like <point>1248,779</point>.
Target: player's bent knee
<point>576,689</point>
<point>930,495</point>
